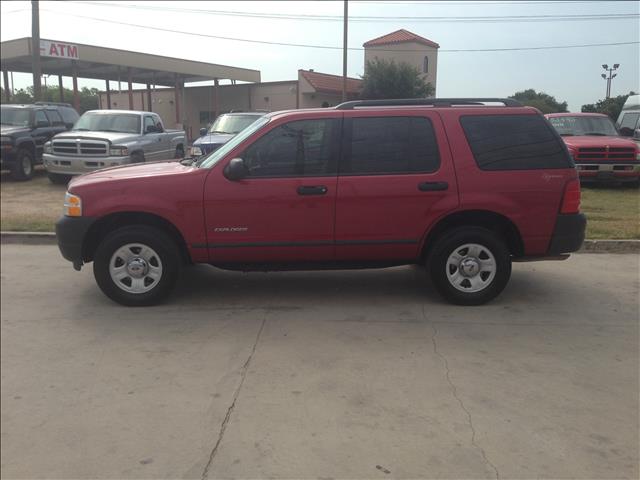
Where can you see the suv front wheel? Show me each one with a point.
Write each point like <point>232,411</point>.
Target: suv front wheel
<point>137,266</point>
<point>470,265</point>
<point>22,169</point>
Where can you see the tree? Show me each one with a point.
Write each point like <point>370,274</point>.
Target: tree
<point>88,96</point>
<point>609,106</point>
<point>387,79</point>
<point>540,100</point>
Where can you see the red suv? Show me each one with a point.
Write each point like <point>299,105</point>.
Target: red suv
<point>459,186</point>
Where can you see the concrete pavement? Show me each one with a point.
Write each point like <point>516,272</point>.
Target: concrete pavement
<point>360,374</point>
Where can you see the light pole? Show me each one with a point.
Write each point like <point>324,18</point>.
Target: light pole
<point>610,77</point>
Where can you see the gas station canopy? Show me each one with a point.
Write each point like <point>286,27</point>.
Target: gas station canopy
<point>88,61</point>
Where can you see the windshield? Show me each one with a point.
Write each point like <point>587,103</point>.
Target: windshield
<point>232,123</point>
<point>18,117</point>
<point>215,156</point>
<point>584,126</point>
<point>109,122</point>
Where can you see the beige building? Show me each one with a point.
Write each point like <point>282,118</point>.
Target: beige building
<point>203,104</point>
<point>404,46</point>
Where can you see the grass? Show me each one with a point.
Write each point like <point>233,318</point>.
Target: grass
<point>35,206</point>
<point>612,212</point>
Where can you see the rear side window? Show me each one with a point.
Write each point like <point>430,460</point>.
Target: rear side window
<point>296,149</point>
<point>54,117</point>
<point>391,145</point>
<point>514,142</point>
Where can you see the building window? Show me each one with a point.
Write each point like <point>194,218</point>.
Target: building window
<point>425,65</point>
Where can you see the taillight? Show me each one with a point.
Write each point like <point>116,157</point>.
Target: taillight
<point>571,197</point>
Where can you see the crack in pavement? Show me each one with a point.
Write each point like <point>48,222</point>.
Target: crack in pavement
<point>236,394</point>
<point>454,391</point>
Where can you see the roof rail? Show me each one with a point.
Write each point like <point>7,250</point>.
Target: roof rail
<point>435,102</point>
<point>58,104</point>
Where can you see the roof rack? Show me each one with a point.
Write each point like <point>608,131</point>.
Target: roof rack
<point>58,104</point>
<point>435,102</point>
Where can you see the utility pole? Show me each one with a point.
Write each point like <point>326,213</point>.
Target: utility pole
<point>344,51</point>
<point>35,50</point>
<point>610,77</point>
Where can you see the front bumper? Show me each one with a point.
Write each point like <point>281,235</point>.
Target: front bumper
<point>629,171</point>
<point>71,233</point>
<point>568,234</point>
<point>7,157</point>
<point>69,165</point>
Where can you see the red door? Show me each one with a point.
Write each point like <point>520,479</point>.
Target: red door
<point>396,178</point>
<point>284,209</point>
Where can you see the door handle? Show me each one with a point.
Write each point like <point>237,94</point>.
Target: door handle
<point>432,186</point>
<point>312,190</point>
<point>159,139</point>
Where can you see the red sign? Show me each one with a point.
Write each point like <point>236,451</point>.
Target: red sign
<point>58,49</point>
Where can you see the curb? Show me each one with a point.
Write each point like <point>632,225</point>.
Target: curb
<point>589,246</point>
<point>28,238</point>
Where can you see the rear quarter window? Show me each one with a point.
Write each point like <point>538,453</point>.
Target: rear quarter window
<point>514,142</point>
<point>69,115</point>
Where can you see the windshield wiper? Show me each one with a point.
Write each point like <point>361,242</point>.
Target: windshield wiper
<point>596,134</point>
<point>80,129</point>
<point>219,131</point>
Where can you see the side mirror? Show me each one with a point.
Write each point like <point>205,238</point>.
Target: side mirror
<point>150,129</point>
<point>159,128</point>
<point>236,169</point>
<point>203,132</point>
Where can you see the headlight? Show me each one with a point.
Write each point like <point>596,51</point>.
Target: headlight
<point>72,205</point>
<point>196,151</point>
<point>118,151</point>
<point>5,140</point>
<point>47,148</point>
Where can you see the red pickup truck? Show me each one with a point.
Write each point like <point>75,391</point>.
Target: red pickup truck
<point>459,186</point>
<point>600,153</point>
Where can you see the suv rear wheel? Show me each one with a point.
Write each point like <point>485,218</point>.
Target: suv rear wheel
<point>22,169</point>
<point>137,266</point>
<point>470,265</point>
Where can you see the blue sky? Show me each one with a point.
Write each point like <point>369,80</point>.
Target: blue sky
<point>568,74</point>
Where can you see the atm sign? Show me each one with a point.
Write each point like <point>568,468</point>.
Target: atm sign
<point>58,49</point>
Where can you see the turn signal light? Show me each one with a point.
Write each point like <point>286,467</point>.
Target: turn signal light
<point>72,205</point>
<point>571,197</point>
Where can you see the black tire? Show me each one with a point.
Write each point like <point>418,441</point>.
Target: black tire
<point>179,152</point>
<point>167,256</point>
<point>22,169</point>
<point>454,240</point>
<point>59,178</point>
<point>137,157</point>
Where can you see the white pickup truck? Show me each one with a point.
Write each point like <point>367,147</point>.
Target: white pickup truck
<point>108,138</point>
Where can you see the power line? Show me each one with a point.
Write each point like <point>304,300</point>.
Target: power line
<point>355,18</point>
<point>329,47</point>
<point>482,3</point>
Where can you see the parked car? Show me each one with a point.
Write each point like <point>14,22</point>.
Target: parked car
<point>107,138</point>
<point>629,119</point>
<point>459,187</point>
<point>223,128</point>
<point>599,152</point>
<point>26,128</point>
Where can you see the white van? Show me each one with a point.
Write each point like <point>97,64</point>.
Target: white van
<point>628,123</point>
